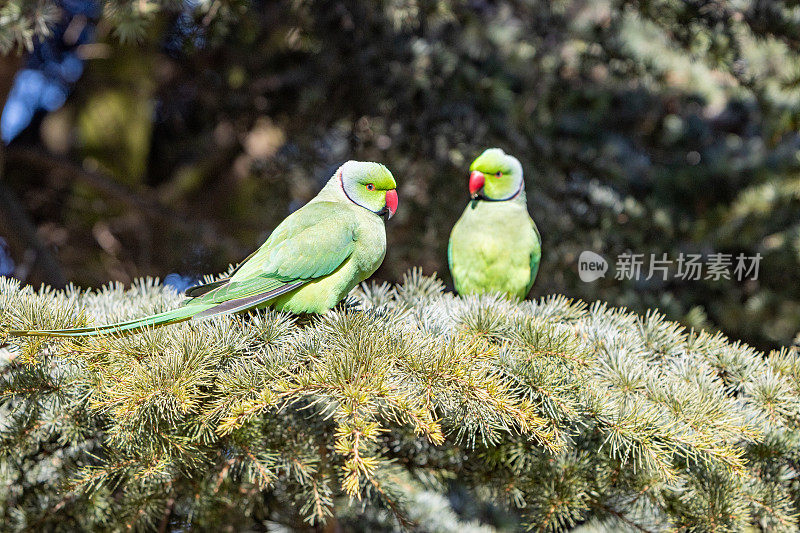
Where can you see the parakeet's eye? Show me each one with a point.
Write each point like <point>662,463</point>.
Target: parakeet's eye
<point>498,173</point>
<point>370,187</point>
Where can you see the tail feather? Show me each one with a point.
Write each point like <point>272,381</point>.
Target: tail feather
<point>161,319</point>
<point>247,302</point>
<point>205,288</point>
<point>201,307</point>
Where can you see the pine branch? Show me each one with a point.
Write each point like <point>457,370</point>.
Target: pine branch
<point>563,411</point>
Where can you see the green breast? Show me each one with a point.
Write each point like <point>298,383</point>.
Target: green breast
<point>494,248</point>
<point>324,293</point>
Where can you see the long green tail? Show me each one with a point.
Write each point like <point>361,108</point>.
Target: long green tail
<point>214,302</point>
<point>161,319</point>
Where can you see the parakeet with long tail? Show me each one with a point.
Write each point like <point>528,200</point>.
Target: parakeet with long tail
<point>308,264</point>
<point>495,246</point>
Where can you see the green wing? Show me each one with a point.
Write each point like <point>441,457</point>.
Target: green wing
<point>311,243</point>
<point>450,251</point>
<point>199,290</point>
<point>450,264</point>
<point>536,256</point>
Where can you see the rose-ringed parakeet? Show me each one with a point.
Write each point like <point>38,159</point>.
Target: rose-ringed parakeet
<point>495,245</point>
<point>307,265</point>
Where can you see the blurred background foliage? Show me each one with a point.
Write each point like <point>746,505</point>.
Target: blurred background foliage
<point>170,137</point>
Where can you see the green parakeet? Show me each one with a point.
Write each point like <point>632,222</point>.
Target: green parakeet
<point>307,265</point>
<point>495,245</point>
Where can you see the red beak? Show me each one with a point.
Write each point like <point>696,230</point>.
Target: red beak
<point>391,201</point>
<point>476,182</point>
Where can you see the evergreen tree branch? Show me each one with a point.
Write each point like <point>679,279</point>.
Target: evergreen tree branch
<point>567,413</point>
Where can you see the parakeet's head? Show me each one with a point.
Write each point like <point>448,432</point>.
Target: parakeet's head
<point>369,185</point>
<point>495,175</point>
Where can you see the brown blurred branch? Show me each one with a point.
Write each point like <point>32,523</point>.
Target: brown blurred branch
<point>142,200</point>
<point>8,68</point>
<point>164,524</point>
<point>14,217</point>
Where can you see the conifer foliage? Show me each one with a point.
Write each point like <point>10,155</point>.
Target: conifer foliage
<point>552,413</point>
